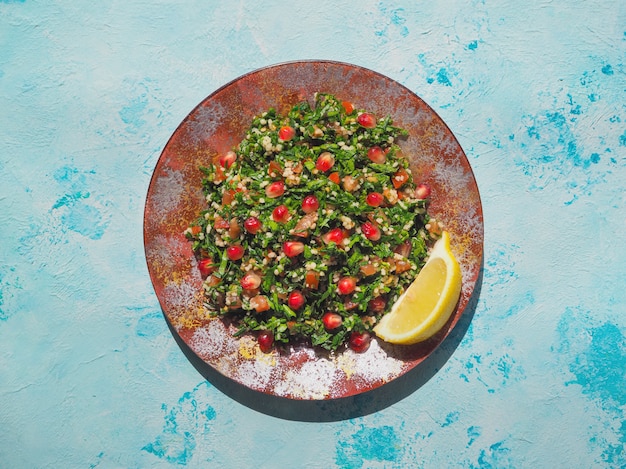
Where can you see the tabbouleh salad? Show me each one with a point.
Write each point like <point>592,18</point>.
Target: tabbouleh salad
<point>313,227</point>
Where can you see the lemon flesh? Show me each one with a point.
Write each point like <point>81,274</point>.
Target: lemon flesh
<point>427,304</point>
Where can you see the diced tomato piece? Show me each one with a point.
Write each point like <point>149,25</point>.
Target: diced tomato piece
<point>303,225</point>
<point>348,107</point>
<point>274,169</point>
<point>234,303</point>
<point>219,175</point>
<point>404,249</point>
<point>350,183</point>
<point>195,229</point>
<point>391,195</point>
<point>228,197</point>
<point>400,178</point>
<point>434,228</point>
<point>368,269</point>
<point>234,230</point>
<point>297,169</point>
<point>312,280</point>
<point>334,177</point>
<point>220,224</point>
<point>213,281</point>
<point>260,303</point>
<point>376,214</point>
<point>402,265</point>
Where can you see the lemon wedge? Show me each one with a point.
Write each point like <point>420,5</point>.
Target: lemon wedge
<point>423,309</point>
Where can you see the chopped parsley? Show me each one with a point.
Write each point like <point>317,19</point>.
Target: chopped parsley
<point>313,212</point>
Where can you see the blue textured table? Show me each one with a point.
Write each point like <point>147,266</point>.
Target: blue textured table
<point>90,374</point>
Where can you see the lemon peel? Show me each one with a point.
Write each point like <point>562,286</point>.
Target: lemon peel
<point>427,304</point>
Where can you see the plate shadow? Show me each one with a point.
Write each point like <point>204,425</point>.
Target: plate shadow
<point>359,405</point>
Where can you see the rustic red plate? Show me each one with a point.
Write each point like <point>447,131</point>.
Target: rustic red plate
<point>175,198</point>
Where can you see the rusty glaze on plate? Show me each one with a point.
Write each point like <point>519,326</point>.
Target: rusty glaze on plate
<point>175,198</point>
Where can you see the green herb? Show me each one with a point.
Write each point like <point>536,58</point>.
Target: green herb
<point>243,190</point>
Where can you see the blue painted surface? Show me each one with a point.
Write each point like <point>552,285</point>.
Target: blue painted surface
<point>90,375</point>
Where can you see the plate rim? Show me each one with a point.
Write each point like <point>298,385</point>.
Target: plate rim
<point>468,168</point>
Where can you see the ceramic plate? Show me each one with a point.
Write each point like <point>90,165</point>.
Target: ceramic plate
<point>175,198</point>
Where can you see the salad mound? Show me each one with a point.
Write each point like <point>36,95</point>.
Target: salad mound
<point>313,226</point>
